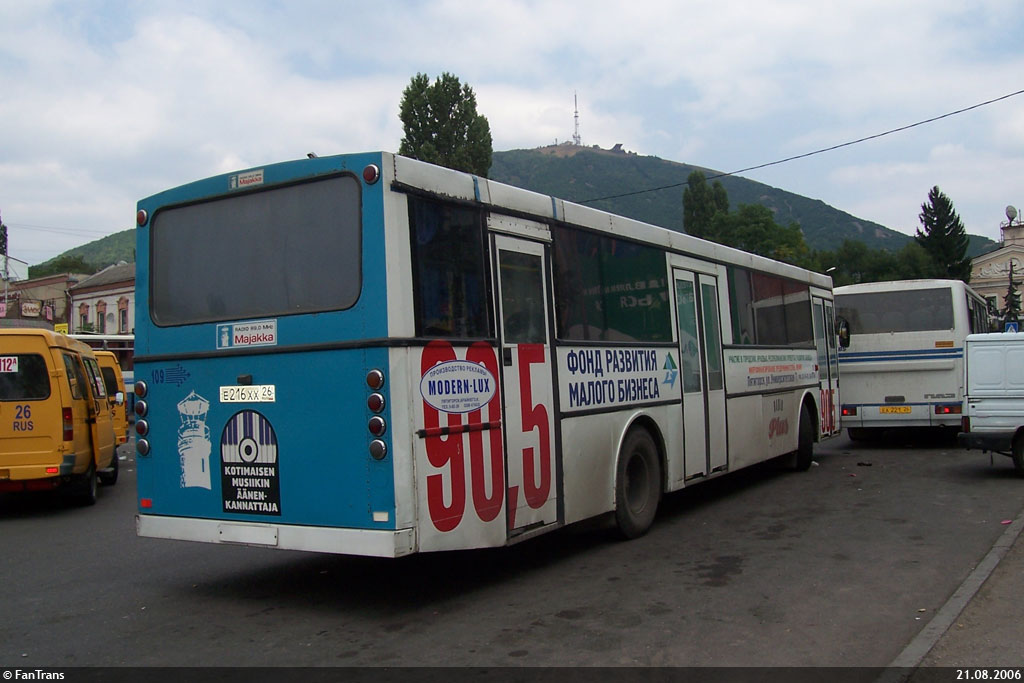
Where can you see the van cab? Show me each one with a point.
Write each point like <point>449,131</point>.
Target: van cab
<point>56,423</point>
<point>993,409</point>
<point>113,382</point>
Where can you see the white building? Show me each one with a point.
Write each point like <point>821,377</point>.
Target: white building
<point>104,303</point>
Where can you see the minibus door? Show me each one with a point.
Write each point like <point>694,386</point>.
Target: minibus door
<point>527,394</point>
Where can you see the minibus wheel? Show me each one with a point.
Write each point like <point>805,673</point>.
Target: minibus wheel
<point>108,476</point>
<point>87,487</point>
<point>637,484</point>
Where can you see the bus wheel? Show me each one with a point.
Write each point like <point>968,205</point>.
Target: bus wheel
<point>87,487</point>
<point>1018,454</point>
<point>805,442</point>
<point>637,484</point>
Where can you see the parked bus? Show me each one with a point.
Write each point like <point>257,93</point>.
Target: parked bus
<point>904,363</point>
<point>370,355</point>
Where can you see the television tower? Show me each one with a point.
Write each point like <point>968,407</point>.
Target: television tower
<point>576,118</point>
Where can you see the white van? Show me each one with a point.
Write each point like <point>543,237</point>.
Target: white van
<point>993,410</point>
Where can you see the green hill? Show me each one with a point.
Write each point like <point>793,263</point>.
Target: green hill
<point>585,173</point>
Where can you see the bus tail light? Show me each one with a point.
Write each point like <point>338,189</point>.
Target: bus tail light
<point>377,425</point>
<point>142,447</point>
<point>378,449</point>
<point>948,409</point>
<point>141,408</point>
<point>375,402</point>
<point>141,427</point>
<point>68,420</point>
<point>375,379</point>
<point>141,389</point>
<point>849,411</point>
<point>371,174</point>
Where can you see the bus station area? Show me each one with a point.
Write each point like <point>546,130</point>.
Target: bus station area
<point>904,554</point>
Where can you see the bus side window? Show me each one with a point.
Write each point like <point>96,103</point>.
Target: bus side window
<point>449,284</point>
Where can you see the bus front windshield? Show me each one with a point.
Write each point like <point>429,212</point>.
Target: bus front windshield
<point>279,251</point>
<point>911,310</point>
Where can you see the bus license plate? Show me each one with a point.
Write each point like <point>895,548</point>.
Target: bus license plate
<point>254,393</point>
<point>894,410</point>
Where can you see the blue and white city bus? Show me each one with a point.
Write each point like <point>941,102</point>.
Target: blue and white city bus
<point>370,355</point>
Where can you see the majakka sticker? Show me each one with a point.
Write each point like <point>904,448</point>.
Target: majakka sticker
<point>457,386</point>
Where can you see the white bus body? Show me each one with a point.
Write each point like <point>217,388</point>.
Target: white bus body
<point>904,363</point>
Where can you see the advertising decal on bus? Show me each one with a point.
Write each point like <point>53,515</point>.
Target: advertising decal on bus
<point>248,461</point>
<point>611,377</point>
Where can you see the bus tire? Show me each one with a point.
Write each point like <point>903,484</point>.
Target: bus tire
<point>1018,454</point>
<point>637,484</point>
<point>805,442</point>
<point>88,486</point>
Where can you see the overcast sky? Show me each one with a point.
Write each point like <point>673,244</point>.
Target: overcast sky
<point>103,103</point>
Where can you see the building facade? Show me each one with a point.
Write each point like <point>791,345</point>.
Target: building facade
<point>990,273</point>
<point>104,303</point>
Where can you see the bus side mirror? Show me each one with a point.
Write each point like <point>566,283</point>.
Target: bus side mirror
<point>843,331</point>
<point>119,398</point>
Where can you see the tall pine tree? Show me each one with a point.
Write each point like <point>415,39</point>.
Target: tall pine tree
<point>441,125</point>
<point>944,237</point>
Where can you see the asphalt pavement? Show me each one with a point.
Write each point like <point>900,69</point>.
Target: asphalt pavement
<point>981,627</point>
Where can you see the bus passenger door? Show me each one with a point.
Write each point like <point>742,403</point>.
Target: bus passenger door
<point>527,393</point>
<point>828,366</point>
<point>700,353</point>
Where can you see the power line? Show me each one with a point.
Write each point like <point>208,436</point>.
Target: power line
<point>817,151</point>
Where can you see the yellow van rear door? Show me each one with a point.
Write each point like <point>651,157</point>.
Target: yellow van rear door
<point>26,412</point>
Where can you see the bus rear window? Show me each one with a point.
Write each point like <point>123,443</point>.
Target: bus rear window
<point>909,310</point>
<point>280,251</point>
<point>25,379</point>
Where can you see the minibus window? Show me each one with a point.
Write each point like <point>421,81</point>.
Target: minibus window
<point>75,376</point>
<point>97,379</point>
<point>109,380</point>
<point>30,382</point>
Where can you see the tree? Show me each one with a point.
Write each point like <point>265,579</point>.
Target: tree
<point>944,237</point>
<point>700,205</point>
<point>1012,300</point>
<point>61,264</point>
<point>753,228</point>
<point>441,125</point>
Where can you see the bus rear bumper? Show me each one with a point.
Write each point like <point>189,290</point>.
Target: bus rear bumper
<point>365,542</point>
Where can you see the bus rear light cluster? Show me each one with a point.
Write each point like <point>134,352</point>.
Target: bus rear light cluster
<point>141,389</point>
<point>142,447</point>
<point>141,408</point>
<point>849,411</point>
<point>141,427</point>
<point>948,409</point>
<point>68,420</point>
<point>376,425</point>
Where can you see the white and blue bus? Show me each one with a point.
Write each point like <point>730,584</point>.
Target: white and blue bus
<point>370,355</point>
<point>904,366</point>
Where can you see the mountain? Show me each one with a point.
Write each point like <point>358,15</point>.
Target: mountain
<point>585,173</point>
